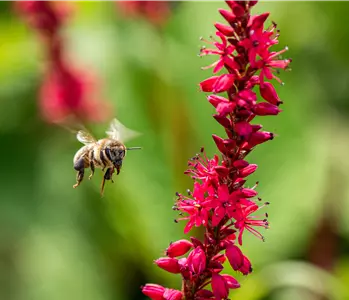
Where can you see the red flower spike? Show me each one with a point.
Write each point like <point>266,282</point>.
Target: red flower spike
<point>64,93</point>
<point>197,261</point>
<point>168,264</point>
<point>221,203</point>
<point>178,248</point>
<point>153,291</point>
<point>219,287</point>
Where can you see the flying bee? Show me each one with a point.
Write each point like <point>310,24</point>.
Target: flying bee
<point>106,154</point>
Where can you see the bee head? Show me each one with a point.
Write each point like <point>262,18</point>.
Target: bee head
<point>115,153</point>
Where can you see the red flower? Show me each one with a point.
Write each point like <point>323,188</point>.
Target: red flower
<point>223,205</point>
<point>244,220</point>
<point>66,93</point>
<point>220,202</point>
<point>197,208</point>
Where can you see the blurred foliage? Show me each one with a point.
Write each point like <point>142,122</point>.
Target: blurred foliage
<point>60,243</point>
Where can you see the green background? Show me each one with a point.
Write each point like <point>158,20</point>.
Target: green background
<point>61,243</point>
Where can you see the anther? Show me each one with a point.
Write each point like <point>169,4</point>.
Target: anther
<point>202,149</point>
<point>259,199</point>
<point>266,214</point>
<point>267,203</point>
<point>175,220</point>
<point>286,48</point>
<point>188,192</point>
<point>178,194</point>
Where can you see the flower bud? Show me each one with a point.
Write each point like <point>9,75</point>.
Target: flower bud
<point>259,137</point>
<point>243,128</point>
<point>219,286</point>
<point>219,143</point>
<point>228,15</point>
<point>153,291</point>
<point>178,248</point>
<point>196,242</point>
<point>238,10</point>
<point>256,22</point>
<point>235,256</point>
<point>256,127</point>
<point>197,261</point>
<point>224,121</point>
<point>222,171</point>
<point>171,294</point>
<point>240,163</point>
<point>246,267</point>
<point>207,85</point>
<point>248,193</point>
<point>266,109</point>
<point>231,281</point>
<point>268,92</point>
<point>223,83</point>
<point>168,264</point>
<point>225,29</point>
<point>247,170</point>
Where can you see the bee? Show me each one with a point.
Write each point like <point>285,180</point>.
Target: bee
<point>106,154</point>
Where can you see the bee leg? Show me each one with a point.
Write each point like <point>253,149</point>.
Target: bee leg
<point>92,166</point>
<point>107,176</point>
<point>118,166</point>
<point>79,178</point>
<point>111,175</point>
<point>79,166</point>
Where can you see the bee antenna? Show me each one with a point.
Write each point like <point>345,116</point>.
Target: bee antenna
<point>134,148</point>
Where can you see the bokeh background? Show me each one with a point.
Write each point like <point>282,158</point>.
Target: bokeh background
<point>61,243</point>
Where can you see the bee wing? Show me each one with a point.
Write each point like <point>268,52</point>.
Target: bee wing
<point>119,132</point>
<point>85,137</point>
